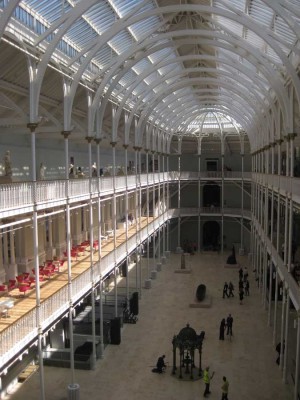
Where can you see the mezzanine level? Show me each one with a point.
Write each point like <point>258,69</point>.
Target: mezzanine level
<point>20,330</point>
<point>17,198</point>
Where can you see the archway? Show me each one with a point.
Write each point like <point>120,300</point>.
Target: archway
<point>211,235</point>
<point>211,195</point>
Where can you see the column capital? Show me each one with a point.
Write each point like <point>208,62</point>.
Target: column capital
<point>66,134</point>
<point>291,136</point>
<point>113,144</point>
<point>125,146</point>
<point>146,151</point>
<point>97,140</point>
<point>279,141</point>
<point>89,139</point>
<point>136,148</point>
<point>32,126</point>
<point>273,144</point>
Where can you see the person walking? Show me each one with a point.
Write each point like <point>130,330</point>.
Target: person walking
<point>225,387</point>
<point>222,329</point>
<point>241,294</point>
<point>241,272</point>
<point>247,287</point>
<point>206,379</point>
<point>231,289</point>
<point>229,323</point>
<point>225,290</point>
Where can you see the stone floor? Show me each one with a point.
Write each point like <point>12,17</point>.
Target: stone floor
<point>124,373</point>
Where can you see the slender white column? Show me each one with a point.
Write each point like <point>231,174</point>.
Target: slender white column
<point>69,263</point>
<point>100,277</point>
<point>282,323</point>
<point>114,212</point>
<point>32,127</point>
<point>179,202</point>
<point>147,205</point>
<point>199,205</point>
<point>222,202</point>
<point>275,308</point>
<point>126,221</point>
<point>153,207</point>
<point>297,358</point>
<point>286,333</point>
<point>242,206</point>
<point>91,238</point>
<point>168,206</point>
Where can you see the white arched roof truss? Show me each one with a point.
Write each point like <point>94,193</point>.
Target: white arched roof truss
<point>163,94</point>
<point>205,99</point>
<point>227,15</point>
<point>276,83</point>
<point>148,72</point>
<point>198,8</point>
<point>221,108</point>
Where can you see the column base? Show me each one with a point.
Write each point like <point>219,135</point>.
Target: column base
<point>179,250</point>
<point>158,267</point>
<point>11,271</point>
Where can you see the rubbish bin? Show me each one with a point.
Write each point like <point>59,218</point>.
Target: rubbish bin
<point>148,284</point>
<point>153,274</point>
<point>73,391</point>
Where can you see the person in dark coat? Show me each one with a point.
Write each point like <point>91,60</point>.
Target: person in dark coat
<point>247,288</point>
<point>160,365</point>
<point>222,329</point>
<point>225,290</point>
<point>231,288</point>
<point>229,323</point>
<point>241,294</point>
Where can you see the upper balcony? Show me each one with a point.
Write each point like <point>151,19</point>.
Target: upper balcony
<point>17,198</point>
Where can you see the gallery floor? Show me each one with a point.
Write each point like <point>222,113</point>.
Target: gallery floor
<point>124,373</point>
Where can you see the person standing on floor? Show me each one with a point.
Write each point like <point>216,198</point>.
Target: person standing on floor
<point>245,274</point>
<point>229,323</point>
<point>206,379</point>
<point>247,287</point>
<point>225,386</point>
<point>241,274</point>
<point>225,290</point>
<point>241,294</point>
<point>231,289</point>
<point>222,329</point>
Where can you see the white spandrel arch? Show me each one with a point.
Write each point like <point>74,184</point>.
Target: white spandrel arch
<point>214,10</point>
<point>130,19</point>
<point>276,83</point>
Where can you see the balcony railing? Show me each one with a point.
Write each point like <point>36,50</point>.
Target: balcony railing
<point>20,334</point>
<point>17,198</point>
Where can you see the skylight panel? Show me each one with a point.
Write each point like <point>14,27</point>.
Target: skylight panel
<point>121,42</point>
<point>238,4</point>
<point>261,13</point>
<point>255,40</point>
<point>231,25</point>
<point>145,27</point>
<point>100,16</point>
<point>284,31</point>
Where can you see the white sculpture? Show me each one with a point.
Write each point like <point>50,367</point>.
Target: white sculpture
<point>42,171</point>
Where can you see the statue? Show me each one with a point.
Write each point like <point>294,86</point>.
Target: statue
<point>200,293</point>
<point>94,170</point>
<point>42,171</point>
<point>7,164</point>
<point>71,171</point>
<point>231,259</point>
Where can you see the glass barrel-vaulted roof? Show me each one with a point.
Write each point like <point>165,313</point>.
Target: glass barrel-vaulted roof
<point>230,57</point>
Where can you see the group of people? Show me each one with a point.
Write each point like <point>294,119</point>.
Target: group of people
<point>228,289</point>
<point>207,377</point>
<point>226,324</point>
<point>244,286</point>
